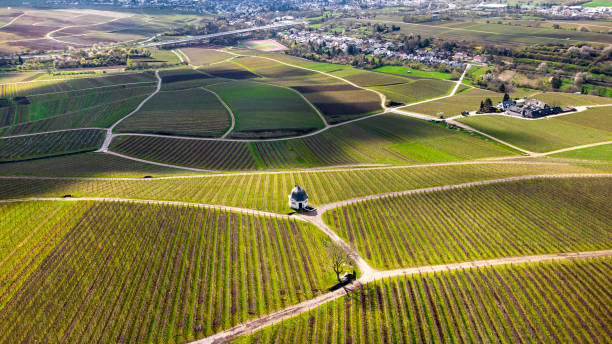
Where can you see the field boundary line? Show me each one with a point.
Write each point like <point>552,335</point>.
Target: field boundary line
<point>326,207</point>
<point>156,163</point>
<point>109,131</point>
<point>178,55</point>
<point>324,169</point>
<point>229,110</point>
<point>49,132</point>
<point>289,312</point>
<point>246,211</point>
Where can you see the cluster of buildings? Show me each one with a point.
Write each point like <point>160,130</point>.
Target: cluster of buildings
<point>532,108</point>
<point>377,48</point>
<point>554,11</point>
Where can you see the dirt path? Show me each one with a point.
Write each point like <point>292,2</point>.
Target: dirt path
<point>109,131</point>
<point>157,202</point>
<point>276,317</point>
<point>229,110</point>
<point>576,147</point>
<point>13,20</point>
<point>326,207</point>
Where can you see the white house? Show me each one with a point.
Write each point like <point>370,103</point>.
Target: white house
<point>298,199</point>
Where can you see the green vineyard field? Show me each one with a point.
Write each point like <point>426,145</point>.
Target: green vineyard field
<point>127,272</point>
<point>563,302</point>
<point>482,222</point>
<point>58,143</point>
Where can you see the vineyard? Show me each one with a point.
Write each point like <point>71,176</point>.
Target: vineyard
<point>24,89</point>
<point>263,110</point>
<point>186,112</point>
<point>202,154</point>
<point>86,165</point>
<point>36,146</point>
<point>592,125</point>
<point>497,220</point>
<point>127,272</point>
<point>390,139</point>
<point>268,191</point>
<point>337,100</point>
<point>80,109</point>
<point>562,302</point>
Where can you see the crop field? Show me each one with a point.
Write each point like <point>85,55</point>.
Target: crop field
<point>268,191</point>
<point>416,90</point>
<point>147,273</point>
<point>468,100</point>
<point>560,302</point>
<point>592,125</point>
<point>263,110</point>
<point>500,220</point>
<point>86,165</point>
<point>603,153</point>
<point>195,112</point>
<point>35,146</point>
<point>202,154</point>
<point>199,56</point>
<point>264,45</point>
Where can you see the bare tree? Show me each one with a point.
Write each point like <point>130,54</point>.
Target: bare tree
<point>339,259</point>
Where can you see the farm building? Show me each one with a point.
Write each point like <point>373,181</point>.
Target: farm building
<point>298,199</point>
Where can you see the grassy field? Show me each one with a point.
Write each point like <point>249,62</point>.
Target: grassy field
<point>264,45</point>
<point>193,112</point>
<point>268,191</point>
<point>416,90</point>
<point>548,134</point>
<point>597,4</point>
<point>557,302</point>
<point>510,219</point>
<point>401,70</point>
<point>452,106</point>
<point>44,145</point>
<point>603,152</point>
<point>263,110</point>
<point>148,273</point>
<point>86,165</point>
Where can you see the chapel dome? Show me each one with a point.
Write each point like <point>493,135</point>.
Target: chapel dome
<point>298,194</point>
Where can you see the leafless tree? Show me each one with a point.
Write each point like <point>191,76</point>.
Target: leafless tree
<point>339,259</point>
